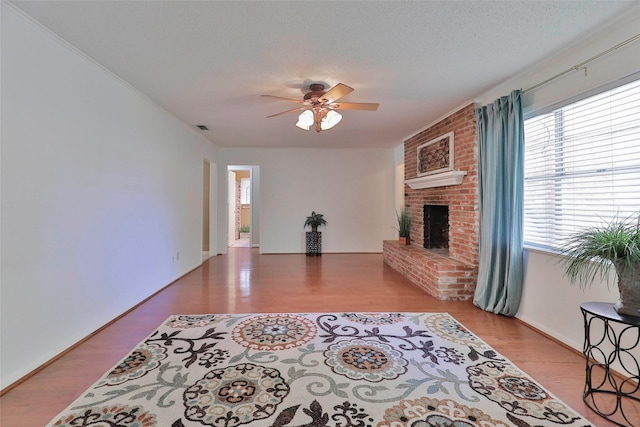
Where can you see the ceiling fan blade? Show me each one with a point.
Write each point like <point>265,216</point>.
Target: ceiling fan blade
<point>337,92</point>
<point>354,106</point>
<point>283,99</point>
<point>290,111</point>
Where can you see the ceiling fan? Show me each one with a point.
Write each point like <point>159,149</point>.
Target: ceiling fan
<point>319,107</point>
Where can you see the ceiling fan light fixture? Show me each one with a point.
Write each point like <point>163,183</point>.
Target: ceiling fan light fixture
<point>330,120</point>
<point>318,109</point>
<point>305,120</point>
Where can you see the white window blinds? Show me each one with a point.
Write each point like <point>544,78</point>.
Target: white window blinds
<point>582,165</point>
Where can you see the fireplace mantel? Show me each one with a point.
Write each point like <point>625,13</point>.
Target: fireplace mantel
<point>436,180</point>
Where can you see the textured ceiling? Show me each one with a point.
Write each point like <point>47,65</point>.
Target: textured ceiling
<point>208,62</point>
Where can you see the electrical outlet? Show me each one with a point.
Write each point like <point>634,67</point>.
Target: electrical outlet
<point>177,256</point>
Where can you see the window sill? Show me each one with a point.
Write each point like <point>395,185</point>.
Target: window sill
<point>541,250</point>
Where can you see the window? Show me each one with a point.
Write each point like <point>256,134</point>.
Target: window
<point>582,165</point>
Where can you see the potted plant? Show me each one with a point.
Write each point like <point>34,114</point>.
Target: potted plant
<point>592,252</point>
<point>314,237</point>
<point>315,220</point>
<point>404,227</point>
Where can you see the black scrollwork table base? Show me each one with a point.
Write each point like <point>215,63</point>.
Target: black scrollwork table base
<point>612,341</point>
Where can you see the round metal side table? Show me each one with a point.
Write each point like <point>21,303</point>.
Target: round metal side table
<point>612,341</point>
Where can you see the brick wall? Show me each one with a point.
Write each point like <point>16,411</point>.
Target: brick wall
<point>440,276</point>
<point>462,199</point>
<point>451,276</point>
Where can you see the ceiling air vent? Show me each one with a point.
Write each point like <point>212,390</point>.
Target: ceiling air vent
<point>202,127</point>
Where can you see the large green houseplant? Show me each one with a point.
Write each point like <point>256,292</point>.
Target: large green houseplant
<point>592,252</point>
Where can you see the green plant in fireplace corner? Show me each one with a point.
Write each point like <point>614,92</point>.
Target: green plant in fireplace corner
<point>404,225</point>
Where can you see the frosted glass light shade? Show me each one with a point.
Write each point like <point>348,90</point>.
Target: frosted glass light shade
<point>332,119</point>
<point>305,120</point>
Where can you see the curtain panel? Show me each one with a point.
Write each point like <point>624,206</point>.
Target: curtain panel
<point>500,128</point>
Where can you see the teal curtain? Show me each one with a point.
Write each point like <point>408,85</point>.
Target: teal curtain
<point>501,181</point>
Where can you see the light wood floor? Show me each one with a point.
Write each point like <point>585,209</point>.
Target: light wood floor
<point>245,282</point>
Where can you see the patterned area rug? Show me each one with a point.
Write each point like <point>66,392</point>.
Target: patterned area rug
<point>316,370</point>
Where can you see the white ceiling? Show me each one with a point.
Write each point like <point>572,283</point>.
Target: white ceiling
<point>208,62</point>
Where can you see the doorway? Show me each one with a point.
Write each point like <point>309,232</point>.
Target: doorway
<point>242,213</point>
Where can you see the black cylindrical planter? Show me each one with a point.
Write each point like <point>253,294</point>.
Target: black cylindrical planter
<point>314,243</point>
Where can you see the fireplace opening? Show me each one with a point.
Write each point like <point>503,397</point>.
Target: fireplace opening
<point>436,227</point>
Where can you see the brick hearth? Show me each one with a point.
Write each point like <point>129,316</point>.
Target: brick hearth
<point>441,276</point>
<point>445,275</point>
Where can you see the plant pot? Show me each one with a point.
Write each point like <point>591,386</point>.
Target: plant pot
<point>314,243</point>
<point>629,287</point>
<point>404,241</point>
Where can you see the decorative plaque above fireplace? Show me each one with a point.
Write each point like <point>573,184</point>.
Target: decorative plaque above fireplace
<point>436,155</point>
<point>435,164</point>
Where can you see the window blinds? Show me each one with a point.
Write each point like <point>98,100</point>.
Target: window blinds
<point>582,165</point>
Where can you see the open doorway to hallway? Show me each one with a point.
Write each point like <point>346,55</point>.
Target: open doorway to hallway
<point>241,207</point>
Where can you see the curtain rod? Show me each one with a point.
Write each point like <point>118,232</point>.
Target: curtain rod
<point>583,63</point>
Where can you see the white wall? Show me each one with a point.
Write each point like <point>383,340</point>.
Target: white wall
<point>608,68</point>
<point>100,191</point>
<point>353,188</point>
<point>549,303</point>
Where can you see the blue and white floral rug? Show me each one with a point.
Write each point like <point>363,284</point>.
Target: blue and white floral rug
<point>316,370</point>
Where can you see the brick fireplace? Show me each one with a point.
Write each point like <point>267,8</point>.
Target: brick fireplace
<point>446,271</point>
